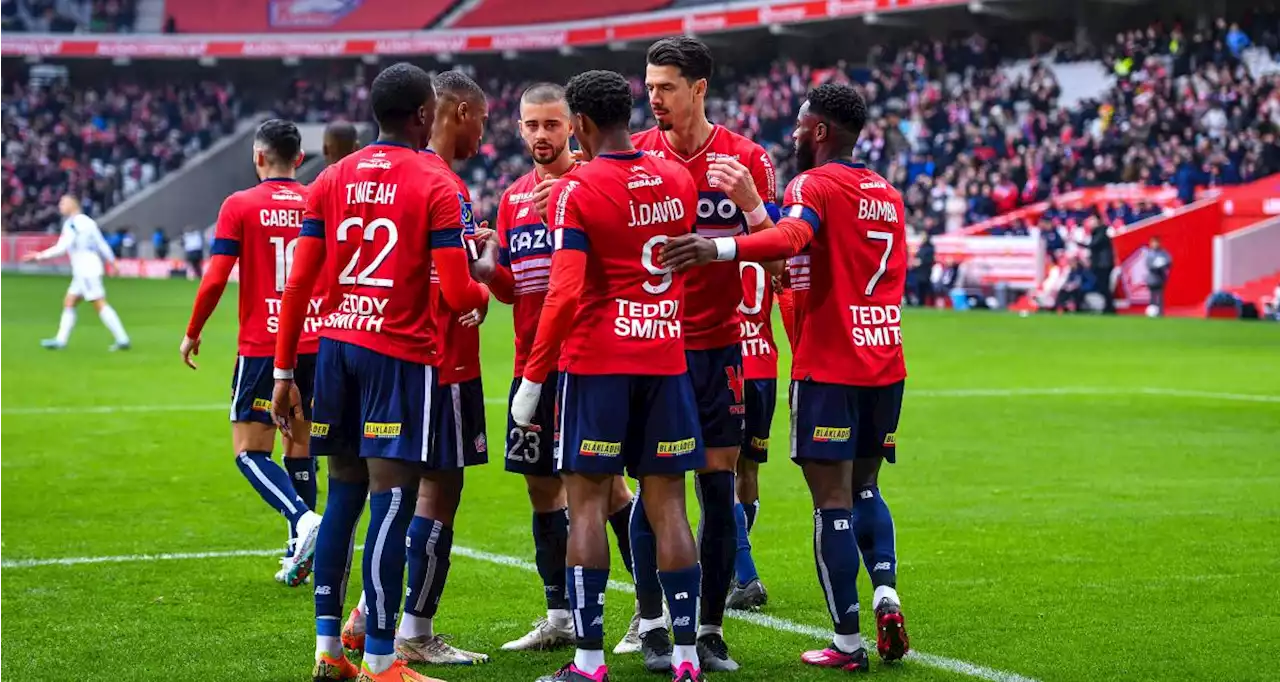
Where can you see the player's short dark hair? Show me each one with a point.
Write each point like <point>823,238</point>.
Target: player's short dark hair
<point>602,96</point>
<point>342,131</point>
<point>840,104</point>
<point>690,55</point>
<point>459,86</point>
<point>543,93</point>
<point>397,93</point>
<point>281,138</point>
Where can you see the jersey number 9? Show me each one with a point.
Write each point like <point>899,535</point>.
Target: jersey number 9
<point>647,260</point>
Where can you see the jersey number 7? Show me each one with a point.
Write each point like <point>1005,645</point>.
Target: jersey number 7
<point>887,238</point>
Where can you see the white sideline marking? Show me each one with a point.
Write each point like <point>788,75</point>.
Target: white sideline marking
<point>782,625</point>
<point>911,393</point>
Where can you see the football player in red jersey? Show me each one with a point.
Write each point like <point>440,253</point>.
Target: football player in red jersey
<point>519,258</point>
<point>376,224</point>
<point>461,112</point>
<point>736,194</point>
<point>625,398</point>
<point>848,371</point>
<point>340,139</point>
<point>258,228</point>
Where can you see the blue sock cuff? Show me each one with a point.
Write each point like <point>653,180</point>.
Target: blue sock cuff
<point>328,627</point>
<point>379,646</point>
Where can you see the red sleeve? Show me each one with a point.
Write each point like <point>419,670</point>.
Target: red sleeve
<point>308,261</point>
<point>446,208</point>
<point>787,239</point>
<point>459,290</point>
<point>503,284</point>
<point>228,231</point>
<point>568,269</point>
<point>764,176</point>
<point>212,285</point>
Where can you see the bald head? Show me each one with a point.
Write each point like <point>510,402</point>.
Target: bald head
<point>340,139</point>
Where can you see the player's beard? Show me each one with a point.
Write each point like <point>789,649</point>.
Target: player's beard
<point>546,155</point>
<point>805,157</point>
<point>664,126</point>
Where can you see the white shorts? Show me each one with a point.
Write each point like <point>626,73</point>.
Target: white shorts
<point>88,287</point>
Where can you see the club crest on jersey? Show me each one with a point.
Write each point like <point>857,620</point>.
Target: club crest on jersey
<point>309,13</point>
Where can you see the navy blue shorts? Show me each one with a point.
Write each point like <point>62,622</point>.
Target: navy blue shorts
<point>378,406</point>
<point>532,451</point>
<point>761,399</point>
<point>252,385</point>
<point>837,422</point>
<point>645,425</point>
<point>716,375</point>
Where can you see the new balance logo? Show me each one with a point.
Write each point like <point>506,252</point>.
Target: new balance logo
<point>840,524</point>
<point>323,590</point>
<point>599,620</point>
<point>866,494</point>
<point>853,608</point>
<point>883,566</point>
<point>682,621</point>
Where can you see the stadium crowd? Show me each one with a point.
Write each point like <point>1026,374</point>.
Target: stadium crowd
<point>69,16</point>
<point>103,143</point>
<point>962,138</point>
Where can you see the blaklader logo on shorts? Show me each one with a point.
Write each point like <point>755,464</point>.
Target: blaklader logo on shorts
<point>261,405</point>
<point>891,440</point>
<point>675,448</point>
<point>319,430</point>
<point>381,430</point>
<point>830,434</point>
<point>602,448</point>
<point>760,443</point>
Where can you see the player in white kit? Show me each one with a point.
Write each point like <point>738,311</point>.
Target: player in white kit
<point>82,241</point>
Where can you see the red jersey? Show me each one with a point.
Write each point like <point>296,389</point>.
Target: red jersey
<point>459,346</point>
<point>759,355</point>
<point>260,226</point>
<point>382,211</point>
<point>849,291</point>
<point>621,209</point>
<point>526,250</point>
<point>711,317</point>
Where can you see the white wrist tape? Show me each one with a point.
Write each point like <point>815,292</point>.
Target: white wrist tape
<point>757,215</point>
<point>282,374</point>
<point>726,248</point>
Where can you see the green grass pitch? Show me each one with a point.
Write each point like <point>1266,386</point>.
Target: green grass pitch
<point>1076,498</point>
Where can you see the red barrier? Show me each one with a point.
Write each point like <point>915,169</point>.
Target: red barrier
<point>1188,237</point>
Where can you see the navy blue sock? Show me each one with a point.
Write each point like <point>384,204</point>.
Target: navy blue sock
<point>302,470</point>
<point>873,527</point>
<point>752,511</point>
<point>621,523</point>
<point>682,588</point>
<point>836,554</point>
<point>331,567</point>
<point>644,558</point>
<point>744,567</point>
<point>272,484</point>
<point>550,544</point>
<point>719,543</point>
<point>384,550</point>
<point>586,597</point>
<point>430,546</point>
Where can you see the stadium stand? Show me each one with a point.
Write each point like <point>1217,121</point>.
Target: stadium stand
<point>104,142</point>
<point>520,12</point>
<point>69,16</point>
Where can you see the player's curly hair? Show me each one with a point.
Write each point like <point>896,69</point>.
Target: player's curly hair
<point>602,96</point>
<point>281,139</point>
<point>398,91</point>
<point>457,85</point>
<point>840,104</point>
<point>690,55</point>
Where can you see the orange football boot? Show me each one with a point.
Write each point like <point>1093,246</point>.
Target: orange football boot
<point>334,669</point>
<point>398,672</point>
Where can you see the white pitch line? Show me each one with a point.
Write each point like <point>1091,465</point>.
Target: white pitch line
<point>771,622</point>
<point>911,393</point>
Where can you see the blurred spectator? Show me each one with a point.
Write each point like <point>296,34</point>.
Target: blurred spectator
<point>70,16</point>
<point>1102,260</point>
<point>1073,288</point>
<point>160,243</point>
<point>193,247</point>
<point>922,270</point>
<point>1158,262</point>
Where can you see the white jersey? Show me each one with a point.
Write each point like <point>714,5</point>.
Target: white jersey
<point>83,243</point>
